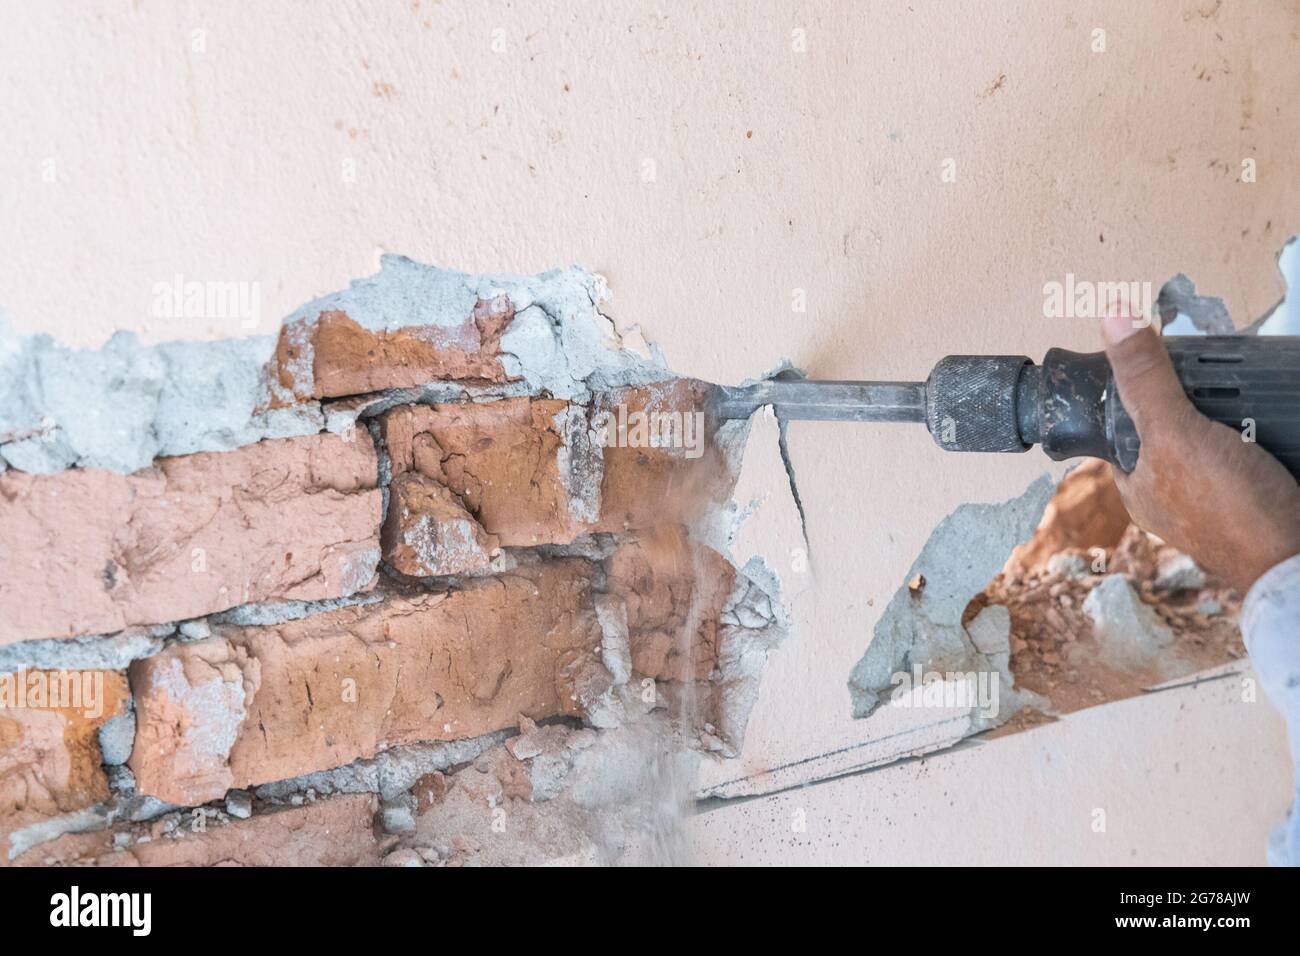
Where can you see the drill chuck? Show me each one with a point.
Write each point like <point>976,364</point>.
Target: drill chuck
<point>972,402</point>
<point>1069,404</point>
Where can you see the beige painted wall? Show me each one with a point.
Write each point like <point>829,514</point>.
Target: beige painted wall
<point>1177,778</point>
<point>710,158</point>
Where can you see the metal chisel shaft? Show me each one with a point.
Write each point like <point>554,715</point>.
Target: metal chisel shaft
<point>826,401</point>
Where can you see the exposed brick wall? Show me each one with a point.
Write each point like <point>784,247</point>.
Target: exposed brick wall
<point>90,551</point>
<point>335,832</point>
<point>328,689</point>
<point>370,613</point>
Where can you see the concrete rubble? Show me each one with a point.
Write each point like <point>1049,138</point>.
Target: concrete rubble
<point>1085,609</point>
<point>1109,613</point>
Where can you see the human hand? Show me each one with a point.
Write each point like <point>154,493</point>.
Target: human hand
<point>1226,502</point>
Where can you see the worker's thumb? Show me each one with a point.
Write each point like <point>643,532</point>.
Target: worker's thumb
<point>1147,383</point>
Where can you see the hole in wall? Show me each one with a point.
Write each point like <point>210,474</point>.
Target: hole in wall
<point>1100,610</point>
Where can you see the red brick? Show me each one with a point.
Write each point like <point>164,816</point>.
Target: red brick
<point>88,551</point>
<point>674,588</point>
<point>644,486</point>
<point>50,762</point>
<point>253,705</point>
<point>335,356</point>
<point>511,463</point>
<point>429,532</point>
<point>334,831</point>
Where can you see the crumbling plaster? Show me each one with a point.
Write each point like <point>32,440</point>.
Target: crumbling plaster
<point>717,165</point>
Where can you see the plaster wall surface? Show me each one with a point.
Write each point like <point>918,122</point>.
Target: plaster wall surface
<point>722,164</point>
<point>1125,784</point>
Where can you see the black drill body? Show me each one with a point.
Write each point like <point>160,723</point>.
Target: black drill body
<point>1068,404</point>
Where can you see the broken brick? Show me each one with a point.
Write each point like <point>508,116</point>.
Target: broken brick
<point>525,469</point>
<point>428,532</point>
<point>334,355</point>
<point>673,588</point>
<point>661,466</point>
<point>88,551</point>
<point>1086,512</point>
<point>191,702</point>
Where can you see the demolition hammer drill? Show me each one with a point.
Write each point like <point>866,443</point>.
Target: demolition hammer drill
<point>1068,404</point>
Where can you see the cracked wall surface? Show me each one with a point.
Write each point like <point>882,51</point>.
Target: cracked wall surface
<point>496,574</point>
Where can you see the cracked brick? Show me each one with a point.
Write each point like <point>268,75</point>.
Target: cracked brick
<point>512,466</point>
<point>428,532</point>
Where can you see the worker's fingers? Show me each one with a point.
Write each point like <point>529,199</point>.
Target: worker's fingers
<point>1148,385</point>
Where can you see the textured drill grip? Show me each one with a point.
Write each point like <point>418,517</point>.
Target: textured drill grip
<point>970,402</point>
<point>1250,383</point>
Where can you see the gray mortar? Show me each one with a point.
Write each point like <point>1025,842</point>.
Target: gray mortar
<point>579,462</point>
<point>385,472</point>
<point>593,547</point>
<point>962,555</point>
<point>112,652</point>
<point>389,773</point>
<point>558,341</point>
<point>121,807</point>
<point>239,804</point>
<point>121,406</point>
<point>344,413</point>
<point>753,622</point>
<point>117,737</point>
<point>277,612</point>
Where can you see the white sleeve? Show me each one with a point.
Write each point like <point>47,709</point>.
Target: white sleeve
<point>1270,625</point>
